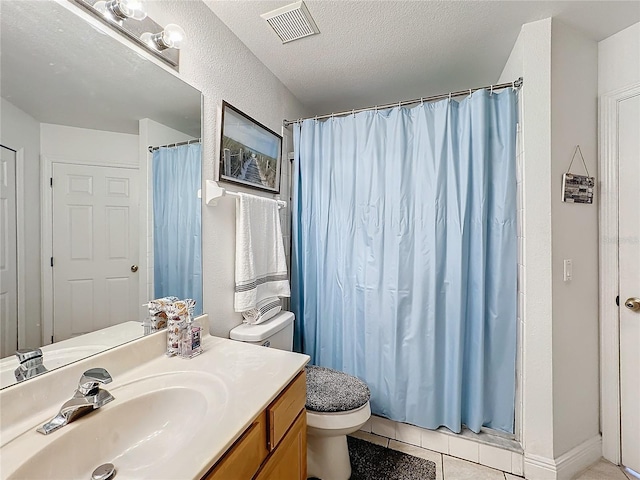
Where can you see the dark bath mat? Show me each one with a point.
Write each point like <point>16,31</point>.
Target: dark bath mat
<point>373,462</point>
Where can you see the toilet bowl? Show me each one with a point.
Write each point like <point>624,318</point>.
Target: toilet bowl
<point>327,450</point>
<point>337,403</point>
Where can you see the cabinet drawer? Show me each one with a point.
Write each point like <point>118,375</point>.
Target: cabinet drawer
<point>285,409</point>
<point>244,458</point>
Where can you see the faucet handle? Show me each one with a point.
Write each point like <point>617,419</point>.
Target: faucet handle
<point>91,380</point>
<point>24,354</point>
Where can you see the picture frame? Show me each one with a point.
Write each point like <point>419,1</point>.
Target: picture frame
<point>250,153</point>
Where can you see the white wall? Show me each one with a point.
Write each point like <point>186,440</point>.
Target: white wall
<point>531,59</point>
<point>559,321</point>
<point>156,134</point>
<point>537,340</point>
<point>216,62</point>
<point>21,131</point>
<point>574,91</point>
<point>88,146</point>
<point>619,60</point>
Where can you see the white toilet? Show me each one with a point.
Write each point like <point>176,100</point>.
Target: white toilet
<point>337,403</point>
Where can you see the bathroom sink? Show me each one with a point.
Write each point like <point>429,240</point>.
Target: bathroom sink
<point>139,432</point>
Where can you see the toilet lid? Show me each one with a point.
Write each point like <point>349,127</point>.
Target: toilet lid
<point>333,391</point>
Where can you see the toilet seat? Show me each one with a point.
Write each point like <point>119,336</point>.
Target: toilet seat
<point>339,420</point>
<point>333,391</point>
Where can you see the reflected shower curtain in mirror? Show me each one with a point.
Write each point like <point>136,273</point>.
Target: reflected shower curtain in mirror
<point>404,257</point>
<point>177,246</point>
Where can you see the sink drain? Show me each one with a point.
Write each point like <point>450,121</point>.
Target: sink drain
<point>104,472</point>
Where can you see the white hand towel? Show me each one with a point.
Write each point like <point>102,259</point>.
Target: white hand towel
<point>261,266</point>
<point>265,310</point>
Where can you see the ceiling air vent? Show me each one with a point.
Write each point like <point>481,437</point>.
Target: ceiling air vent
<point>291,22</point>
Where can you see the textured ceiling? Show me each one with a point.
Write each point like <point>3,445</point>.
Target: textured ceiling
<point>375,52</point>
<point>59,69</point>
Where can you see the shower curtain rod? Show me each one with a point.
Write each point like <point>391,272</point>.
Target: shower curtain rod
<point>515,84</point>
<point>188,142</point>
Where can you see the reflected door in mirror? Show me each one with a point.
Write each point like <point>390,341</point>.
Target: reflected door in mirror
<point>95,232</point>
<point>8,254</point>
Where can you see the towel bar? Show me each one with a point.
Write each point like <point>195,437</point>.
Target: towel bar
<point>215,192</point>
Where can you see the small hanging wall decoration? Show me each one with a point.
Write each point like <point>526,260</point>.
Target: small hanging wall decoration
<point>577,188</point>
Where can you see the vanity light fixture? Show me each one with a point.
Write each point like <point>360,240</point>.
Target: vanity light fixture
<point>171,37</point>
<point>121,9</point>
<point>129,18</point>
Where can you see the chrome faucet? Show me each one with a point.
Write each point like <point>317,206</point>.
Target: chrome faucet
<point>30,363</point>
<point>88,397</point>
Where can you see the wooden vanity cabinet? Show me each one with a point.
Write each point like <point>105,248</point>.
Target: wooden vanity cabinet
<point>274,447</point>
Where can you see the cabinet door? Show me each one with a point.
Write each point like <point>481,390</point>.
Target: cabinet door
<point>285,409</point>
<point>289,460</point>
<point>242,461</point>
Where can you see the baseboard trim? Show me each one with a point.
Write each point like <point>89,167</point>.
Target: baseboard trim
<point>567,465</point>
<point>579,458</point>
<point>539,468</point>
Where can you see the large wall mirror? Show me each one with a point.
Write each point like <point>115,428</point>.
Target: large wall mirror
<point>93,222</point>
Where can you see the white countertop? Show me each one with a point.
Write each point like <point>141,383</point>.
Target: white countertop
<point>250,376</point>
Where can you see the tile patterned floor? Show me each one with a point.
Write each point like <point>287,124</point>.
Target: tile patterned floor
<point>451,468</point>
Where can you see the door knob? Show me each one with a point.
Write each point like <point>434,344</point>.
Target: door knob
<point>134,268</point>
<point>632,303</point>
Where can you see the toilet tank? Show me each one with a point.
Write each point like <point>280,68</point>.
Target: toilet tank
<point>276,332</point>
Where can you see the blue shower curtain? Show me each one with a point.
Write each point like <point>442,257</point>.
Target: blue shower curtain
<point>176,223</point>
<point>404,257</point>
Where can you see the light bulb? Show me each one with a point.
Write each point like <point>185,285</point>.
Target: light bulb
<point>173,36</point>
<point>147,37</point>
<point>101,7</point>
<point>133,9</point>
<point>121,9</point>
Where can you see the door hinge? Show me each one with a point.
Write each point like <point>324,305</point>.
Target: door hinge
<point>51,182</point>
<point>52,261</point>
<point>618,300</point>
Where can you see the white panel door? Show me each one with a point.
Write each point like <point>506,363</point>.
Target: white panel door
<point>95,244</point>
<point>629,261</point>
<point>8,254</point>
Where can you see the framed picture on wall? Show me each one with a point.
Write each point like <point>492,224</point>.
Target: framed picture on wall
<point>250,153</point>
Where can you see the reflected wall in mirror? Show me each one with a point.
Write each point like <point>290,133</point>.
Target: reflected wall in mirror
<point>84,245</point>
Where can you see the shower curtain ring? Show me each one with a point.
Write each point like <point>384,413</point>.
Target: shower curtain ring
<point>513,84</point>
<point>470,92</point>
<point>421,101</point>
<point>491,93</point>
<point>449,97</point>
<point>353,112</point>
